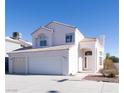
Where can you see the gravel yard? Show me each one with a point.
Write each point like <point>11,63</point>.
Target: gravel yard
<point>101,78</point>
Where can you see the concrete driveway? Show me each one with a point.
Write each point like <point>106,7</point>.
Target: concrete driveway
<point>56,84</point>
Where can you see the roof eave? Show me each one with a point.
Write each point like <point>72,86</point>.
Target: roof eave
<point>41,27</point>
<point>41,49</point>
<point>60,24</point>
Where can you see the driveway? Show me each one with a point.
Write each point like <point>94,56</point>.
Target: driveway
<point>56,84</point>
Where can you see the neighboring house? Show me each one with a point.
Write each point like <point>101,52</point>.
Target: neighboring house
<point>13,43</point>
<point>58,48</point>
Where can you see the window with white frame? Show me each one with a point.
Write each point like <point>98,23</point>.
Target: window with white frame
<point>69,37</point>
<point>43,40</point>
<point>100,58</point>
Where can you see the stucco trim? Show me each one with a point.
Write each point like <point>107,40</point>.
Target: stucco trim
<point>62,47</point>
<point>42,27</point>
<point>20,41</point>
<point>60,24</point>
<point>13,41</point>
<point>89,40</point>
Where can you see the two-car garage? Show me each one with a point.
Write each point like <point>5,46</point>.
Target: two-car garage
<point>39,62</point>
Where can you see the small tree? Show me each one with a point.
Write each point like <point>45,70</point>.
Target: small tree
<point>114,59</point>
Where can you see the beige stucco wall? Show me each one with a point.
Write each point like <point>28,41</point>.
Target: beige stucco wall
<point>59,32</point>
<point>74,54</point>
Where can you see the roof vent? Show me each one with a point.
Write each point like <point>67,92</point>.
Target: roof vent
<point>16,35</point>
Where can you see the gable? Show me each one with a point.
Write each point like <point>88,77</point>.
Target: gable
<point>53,25</point>
<point>40,29</point>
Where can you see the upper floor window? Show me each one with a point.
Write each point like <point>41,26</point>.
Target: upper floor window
<point>69,37</point>
<point>43,40</point>
<point>43,43</point>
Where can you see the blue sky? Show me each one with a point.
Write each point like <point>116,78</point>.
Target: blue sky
<point>92,17</point>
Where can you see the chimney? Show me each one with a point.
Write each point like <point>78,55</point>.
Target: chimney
<point>16,35</point>
<point>102,39</point>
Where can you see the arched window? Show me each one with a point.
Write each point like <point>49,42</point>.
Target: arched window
<point>43,40</point>
<point>88,53</point>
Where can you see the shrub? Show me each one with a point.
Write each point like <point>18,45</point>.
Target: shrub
<point>109,69</point>
<point>108,64</point>
<point>109,73</point>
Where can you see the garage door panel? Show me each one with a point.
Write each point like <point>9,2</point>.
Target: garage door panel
<point>45,65</point>
<point>19,65</point>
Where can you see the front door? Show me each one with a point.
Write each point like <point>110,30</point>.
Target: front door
<point>86,62</point>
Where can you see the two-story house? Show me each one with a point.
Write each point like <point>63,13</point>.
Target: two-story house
<point>58,48</point>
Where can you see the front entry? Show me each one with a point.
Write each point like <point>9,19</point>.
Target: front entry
<point>87,60</point>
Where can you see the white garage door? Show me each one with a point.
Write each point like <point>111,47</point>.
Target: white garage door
<point>45,65</point>
<point>19,65</point>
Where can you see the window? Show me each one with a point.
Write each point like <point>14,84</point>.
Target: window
<point>100,60</point>
<point>100,53</point>
<point>43,40</point>
<point>100,57</point>
<point>88,53</point>
<point>85,65</point>
<point>43,43</point>
<point>22,45</point>
<point>69,37</point>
